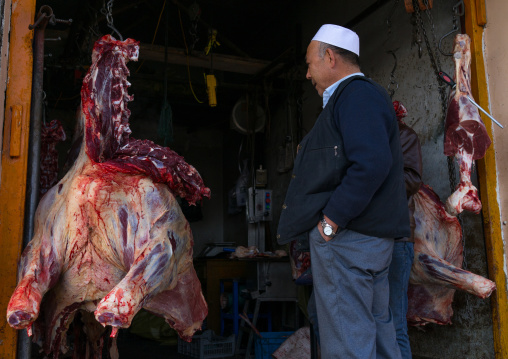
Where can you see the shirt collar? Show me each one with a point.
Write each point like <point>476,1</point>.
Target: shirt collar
<point>330,90</point>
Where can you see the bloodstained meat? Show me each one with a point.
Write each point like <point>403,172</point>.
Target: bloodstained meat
<point>466,137</point>
<point>110,237</point>
<point>437,268</point>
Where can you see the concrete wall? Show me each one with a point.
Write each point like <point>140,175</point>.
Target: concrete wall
<point>470,335</point>
<point>495,57</point>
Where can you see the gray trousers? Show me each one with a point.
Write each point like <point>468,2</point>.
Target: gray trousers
<point>350,274</point>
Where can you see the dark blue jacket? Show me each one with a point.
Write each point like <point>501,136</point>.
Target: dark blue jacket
<point>349,167</point>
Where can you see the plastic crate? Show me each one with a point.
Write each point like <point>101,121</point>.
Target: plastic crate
<point>207,346</point>
<point>264,347</point>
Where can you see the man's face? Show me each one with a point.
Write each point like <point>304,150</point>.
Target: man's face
<point>318,70</point>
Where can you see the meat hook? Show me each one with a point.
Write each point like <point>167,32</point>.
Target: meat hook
<point>456,13</point>
<point>455,28</point>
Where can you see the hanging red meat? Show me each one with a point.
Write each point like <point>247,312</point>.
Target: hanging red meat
<point>51,134</point>
<point>436,271</point>
<point>466,137</point>
<point>110,237</point>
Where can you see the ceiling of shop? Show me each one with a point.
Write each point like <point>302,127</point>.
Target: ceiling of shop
<point>256,43</point>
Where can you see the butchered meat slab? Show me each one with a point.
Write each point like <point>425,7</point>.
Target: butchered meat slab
<point>466,137</point>
<point>437,268</point>
<point>110,237</point>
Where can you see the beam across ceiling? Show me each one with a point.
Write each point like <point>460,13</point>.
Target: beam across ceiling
<point>214,61</point>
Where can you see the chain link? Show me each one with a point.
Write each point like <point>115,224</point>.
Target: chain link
<point>434,56</point>
<point>193,31</point>
<point>417,40</point>
<point>107,11</point>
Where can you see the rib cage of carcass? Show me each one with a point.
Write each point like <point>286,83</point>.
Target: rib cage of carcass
<point>110,237</point>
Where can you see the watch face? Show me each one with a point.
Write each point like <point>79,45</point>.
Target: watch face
<point>327,230</point>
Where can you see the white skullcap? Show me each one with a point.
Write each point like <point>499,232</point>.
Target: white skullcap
<point>339,36</point>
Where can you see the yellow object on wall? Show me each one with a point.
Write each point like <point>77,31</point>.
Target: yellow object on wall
<point>211,84</point>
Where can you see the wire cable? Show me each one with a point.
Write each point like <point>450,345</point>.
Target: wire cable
<point>187,57</point>
<point>155,33</point>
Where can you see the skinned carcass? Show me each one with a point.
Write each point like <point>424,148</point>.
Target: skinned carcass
<point>466,137</point>
<point>110,237</point>
<point>436,271</point>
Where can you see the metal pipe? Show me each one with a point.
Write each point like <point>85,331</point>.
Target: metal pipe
<point>34,152</point>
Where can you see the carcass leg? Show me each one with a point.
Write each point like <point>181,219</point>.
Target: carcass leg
<point>465,196</point>
<point>184,306</point>
<point>438,271</point>
<point>40,270</point>
<point>152,272</point>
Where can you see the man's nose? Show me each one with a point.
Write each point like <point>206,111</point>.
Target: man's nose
<point>307,75</point>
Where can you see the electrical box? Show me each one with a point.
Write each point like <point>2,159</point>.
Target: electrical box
<point>260,205</point>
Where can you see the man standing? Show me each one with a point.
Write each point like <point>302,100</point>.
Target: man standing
<point>347,197</point>
<point>403,250</point>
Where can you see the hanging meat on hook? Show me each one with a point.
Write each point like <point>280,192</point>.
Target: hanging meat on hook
<point>466,137</point>
<point>437,268</point>
<point>110,237</point>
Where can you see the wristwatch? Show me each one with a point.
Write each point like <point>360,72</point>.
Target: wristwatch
<point>327,228</point>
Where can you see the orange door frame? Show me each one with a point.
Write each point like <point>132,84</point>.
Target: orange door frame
<point>14,158</point>
<point>475,19</point>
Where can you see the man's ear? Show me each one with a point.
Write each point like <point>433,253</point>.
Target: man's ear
<point>330,57</point>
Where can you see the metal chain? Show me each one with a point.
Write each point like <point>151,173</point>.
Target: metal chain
<point>434,56</point>
<point>433,59</point>
<point>389,17</point>
<point>417,40</point>
<point>107,11</point>
<point>193,31</point>
<point>432,31</point>
<point>393,85</point>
